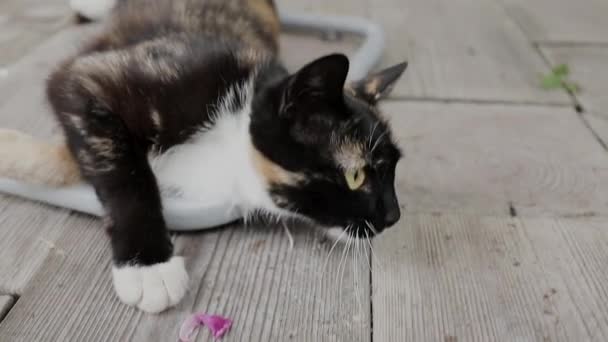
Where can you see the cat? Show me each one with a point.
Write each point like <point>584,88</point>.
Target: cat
<point>189,96</point>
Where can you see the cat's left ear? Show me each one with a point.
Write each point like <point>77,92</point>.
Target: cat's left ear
<point>378,85</point>
<point>322,79</point>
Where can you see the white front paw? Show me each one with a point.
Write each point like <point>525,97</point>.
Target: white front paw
<point>152,288</point>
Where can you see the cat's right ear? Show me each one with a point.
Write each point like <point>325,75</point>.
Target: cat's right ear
<point>377,86</point>
<point>320,80</point>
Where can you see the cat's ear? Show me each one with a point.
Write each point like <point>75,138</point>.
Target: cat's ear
<point>378,85</point>
<point>323,79</point>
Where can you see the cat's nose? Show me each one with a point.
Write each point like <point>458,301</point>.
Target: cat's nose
<point>392,213</point>
<point>392,216</point>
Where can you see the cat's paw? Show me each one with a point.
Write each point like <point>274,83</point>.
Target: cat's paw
<point>152,288</point>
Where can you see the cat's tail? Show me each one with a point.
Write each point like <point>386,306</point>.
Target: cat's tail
<point>29,160</point>
<point>92,9</point>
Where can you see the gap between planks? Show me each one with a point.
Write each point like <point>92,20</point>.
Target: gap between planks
<point>6,303</point>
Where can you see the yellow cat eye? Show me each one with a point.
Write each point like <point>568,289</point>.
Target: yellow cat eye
<point>354,179</point>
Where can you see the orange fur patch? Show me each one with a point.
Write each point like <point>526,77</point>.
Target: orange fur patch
<point>24,158</point>
<point>273,173</point>
<point>267,14</point>
<point>373,86</point>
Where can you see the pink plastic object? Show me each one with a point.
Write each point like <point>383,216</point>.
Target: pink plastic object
<point>217,324</point>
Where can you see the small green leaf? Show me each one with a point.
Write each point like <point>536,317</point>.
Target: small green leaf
<point>561,70</point>
<point>551,81</point>
<point>557,79</point>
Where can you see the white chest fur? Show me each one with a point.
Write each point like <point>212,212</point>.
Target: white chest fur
<point>216,165</point>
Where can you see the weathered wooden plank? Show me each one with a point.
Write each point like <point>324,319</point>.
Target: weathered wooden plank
<point>478,158</point>
<point>81,257</point>
<point>561,20</point>
<point>28,233</point>
<point>574,251</point>
<point>273,293</point>
<point>466,278</point>
<point>6,302</point>
<point>461,49</point>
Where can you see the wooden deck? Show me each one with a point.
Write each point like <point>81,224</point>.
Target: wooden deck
<point>504,186</point>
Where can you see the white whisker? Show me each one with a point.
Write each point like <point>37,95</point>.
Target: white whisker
<point>356,274</point>
<point>289,236</point>
<point>371,136</point>
<point>367,256</point>
<point>341,273</point>
<point>378,141</point>
<point>331,250</point>
<point>345,248</point>
<point>371,227</point>
<point>374,256</point>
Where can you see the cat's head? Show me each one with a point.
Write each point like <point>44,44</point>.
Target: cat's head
<point>326,150</point>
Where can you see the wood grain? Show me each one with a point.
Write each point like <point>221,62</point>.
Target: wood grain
<point>28,233</point>
<point>272,293</point>
<point>479,158</point>
<point>468,278</point>
<point>561,20</point>
<point>573,251</point>
<point>461,49</point>
<point>65,309</point>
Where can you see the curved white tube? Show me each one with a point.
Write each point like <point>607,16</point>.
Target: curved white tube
<point>183,215</point>
<point>180,214</point>
<point>368,54</point>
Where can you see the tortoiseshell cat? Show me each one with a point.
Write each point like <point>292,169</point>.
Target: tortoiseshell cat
<point>189,96</point>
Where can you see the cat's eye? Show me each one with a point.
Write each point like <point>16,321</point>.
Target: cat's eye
<point>354,179</point>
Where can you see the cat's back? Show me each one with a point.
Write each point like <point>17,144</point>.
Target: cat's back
<point>250,23</point>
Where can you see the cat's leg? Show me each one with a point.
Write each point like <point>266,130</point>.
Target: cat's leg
<point>114,160</point>
<point>24,158</point>
<point>92,9</point>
